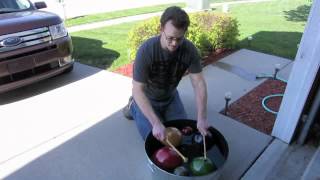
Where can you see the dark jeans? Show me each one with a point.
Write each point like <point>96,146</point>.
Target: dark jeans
<point>168,110</point>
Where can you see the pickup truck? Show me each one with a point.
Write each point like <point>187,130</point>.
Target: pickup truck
<point>34,44</point>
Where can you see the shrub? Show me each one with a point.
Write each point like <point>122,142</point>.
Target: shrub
<point>200,26</point>
<point>208,31</point>
<point>224,33</point>
<point>141,32</point>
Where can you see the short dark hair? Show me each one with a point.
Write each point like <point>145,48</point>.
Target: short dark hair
<point>179,17</point>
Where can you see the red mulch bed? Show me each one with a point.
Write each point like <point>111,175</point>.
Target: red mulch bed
<point>216,56</point>
<point>248,109</point>
<point>125,70</point>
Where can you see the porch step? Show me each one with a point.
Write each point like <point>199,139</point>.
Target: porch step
<point>282,161</point>
<point>312,171</point>
<point>265,163</point>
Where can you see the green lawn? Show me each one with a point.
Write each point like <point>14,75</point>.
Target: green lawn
<point>104,47</point>
<point>118,14</point>
<point>276,28</point>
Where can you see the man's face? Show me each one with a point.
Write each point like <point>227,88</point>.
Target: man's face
<point>172,37</point>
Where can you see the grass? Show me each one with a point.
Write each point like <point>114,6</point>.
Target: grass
<point>117,14</point>
<point>276,28</point>
<point>104,47</point>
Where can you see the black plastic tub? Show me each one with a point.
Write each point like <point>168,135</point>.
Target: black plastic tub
<point>216,145</point>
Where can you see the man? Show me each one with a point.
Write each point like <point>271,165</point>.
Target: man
<point>160,63</point>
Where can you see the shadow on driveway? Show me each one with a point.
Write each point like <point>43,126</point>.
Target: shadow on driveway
<point>110,149</point>
<point>79,72</point>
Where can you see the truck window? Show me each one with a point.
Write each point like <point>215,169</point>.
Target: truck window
<point>23,4</point>
<point>13,5</point>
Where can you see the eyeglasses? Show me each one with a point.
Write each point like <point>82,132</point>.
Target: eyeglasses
<point>171,39</point>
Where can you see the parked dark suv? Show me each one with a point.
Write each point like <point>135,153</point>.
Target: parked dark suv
<point>34,44</point>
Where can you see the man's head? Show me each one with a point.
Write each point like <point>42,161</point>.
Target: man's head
<point>174,23</point>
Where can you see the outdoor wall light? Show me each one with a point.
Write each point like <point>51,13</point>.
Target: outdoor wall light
<point>276,70</point>
<point>227,97</point>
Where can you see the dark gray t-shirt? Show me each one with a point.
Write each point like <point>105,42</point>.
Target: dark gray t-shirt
<point>161,70</point>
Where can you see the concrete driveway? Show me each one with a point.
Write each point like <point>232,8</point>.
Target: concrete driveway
<point>71,126</point>
<point>53,111</point>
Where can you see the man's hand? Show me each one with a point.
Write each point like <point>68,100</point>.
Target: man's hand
<point>203,125</point>
<point>158,131</point>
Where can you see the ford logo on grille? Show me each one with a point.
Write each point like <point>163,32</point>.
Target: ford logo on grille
<point>10,41</point>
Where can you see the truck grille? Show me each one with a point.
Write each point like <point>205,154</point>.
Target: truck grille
<point>23,39</point>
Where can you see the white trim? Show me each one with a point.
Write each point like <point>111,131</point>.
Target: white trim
<point>304,70</point>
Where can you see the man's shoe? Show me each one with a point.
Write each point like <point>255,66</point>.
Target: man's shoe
<point>126,110</point>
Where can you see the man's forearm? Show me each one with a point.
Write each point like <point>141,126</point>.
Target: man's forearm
<point>201,99</point>
<point>200,89</point>
<point>145,106</point>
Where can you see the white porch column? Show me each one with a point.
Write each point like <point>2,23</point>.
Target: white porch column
<point>305,68</point>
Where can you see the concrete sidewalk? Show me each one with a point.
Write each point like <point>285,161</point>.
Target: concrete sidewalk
<point>112,22</point>
<point>220,81</point>
<point>238,2</point>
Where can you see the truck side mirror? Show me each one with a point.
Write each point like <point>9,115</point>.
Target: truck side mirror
<point>40,5</point>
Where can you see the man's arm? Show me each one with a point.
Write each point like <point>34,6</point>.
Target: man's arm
<point>200,89</point>
<point>158,129</point>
